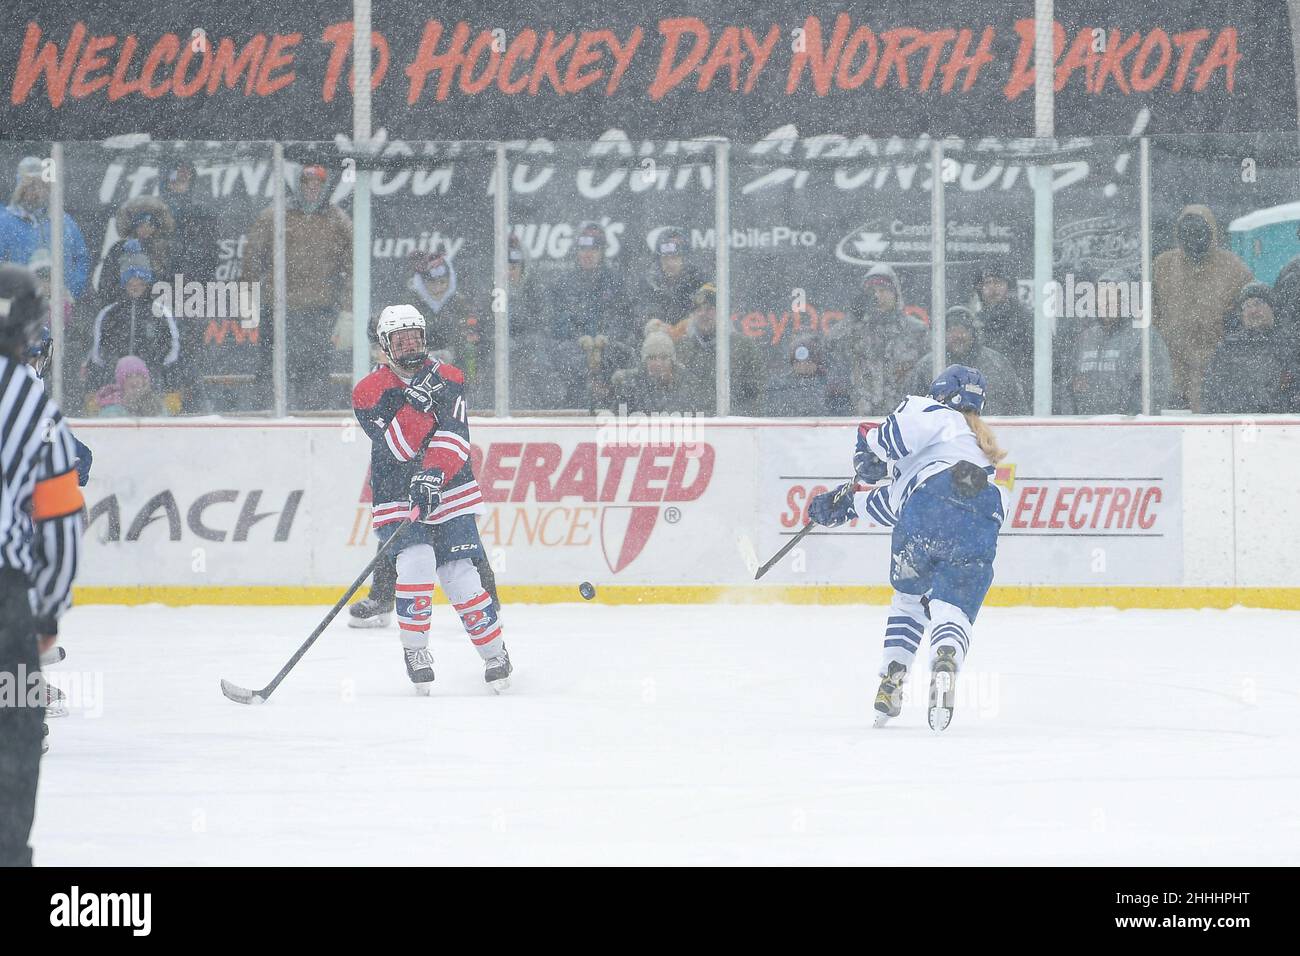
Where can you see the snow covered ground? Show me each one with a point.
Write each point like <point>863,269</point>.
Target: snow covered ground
<point>694,734</point>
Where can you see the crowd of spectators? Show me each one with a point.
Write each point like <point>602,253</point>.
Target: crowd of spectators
<point>592,336</point>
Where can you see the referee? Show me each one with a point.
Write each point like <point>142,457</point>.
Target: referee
<point>40,537</point>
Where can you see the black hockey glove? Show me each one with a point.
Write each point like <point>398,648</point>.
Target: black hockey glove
<point>422,393</point>
<point>426,492</point>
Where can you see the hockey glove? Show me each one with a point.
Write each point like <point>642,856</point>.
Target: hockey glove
<point>833,508</point>
<point>866,465</point>
<point>426,492</point>
<point>422,393</point>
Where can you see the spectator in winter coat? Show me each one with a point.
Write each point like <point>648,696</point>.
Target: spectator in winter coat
<point>592,322</point>
<point>659,386</point>
<point>317,288</point>
<point>964,346</point>
<point>1105,375</point>
<point>872,351</point>
<point>195,256</point>
<point>1286,303</point>
<point>455,329</point>
<point>25,227</point>
<point>534,380</point>
<point>799,390</point>
<point>697,353</point>
<point>195,247</point>
<point>1008,324</point>
<point>134,324</point>
<point>1194,287</point>
<point>1251,372</point>
<point>671,281</point>
<point>147,220</point>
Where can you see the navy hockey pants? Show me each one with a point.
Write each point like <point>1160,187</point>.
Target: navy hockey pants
<point>944,543</point>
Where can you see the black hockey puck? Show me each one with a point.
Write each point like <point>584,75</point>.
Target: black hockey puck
<point>586,590</point>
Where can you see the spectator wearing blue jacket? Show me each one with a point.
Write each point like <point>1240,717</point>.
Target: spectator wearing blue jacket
<point>25,227</point>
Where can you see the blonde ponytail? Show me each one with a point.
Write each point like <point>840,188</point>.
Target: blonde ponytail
<point>984,436</point>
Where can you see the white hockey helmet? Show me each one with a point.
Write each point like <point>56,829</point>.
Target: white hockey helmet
<point>396,318</point>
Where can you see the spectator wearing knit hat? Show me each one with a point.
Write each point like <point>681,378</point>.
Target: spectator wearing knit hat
<point>131,393</point>
<point>148,221</point>
<point>697,354</point>
<point>25,226</point>
<point>964,346</point>
<point>1007,323</point>
<point>1252,370</point>
<point>668,286</point>
<point>873,350</point>
<point>133,324</point>
<point>659,385</point>
<point>457,331</point>
<point>593,323</point>
<point>799,389</point>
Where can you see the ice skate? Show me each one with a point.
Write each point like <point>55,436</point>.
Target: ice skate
<point>889,698</point>
<point>53,699</point>
<point>943,689</point>
<point>497,671</point>
<point>370,613</point>
<point>419,667</point>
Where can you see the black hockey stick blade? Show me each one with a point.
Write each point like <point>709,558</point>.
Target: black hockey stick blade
<point>847,488</point>
<point>241,695</point>
<point>785,549</point>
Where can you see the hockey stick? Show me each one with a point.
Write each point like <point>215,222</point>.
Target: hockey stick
<point>242,695</point>
<point>789,545</point>
<point>785,549</point>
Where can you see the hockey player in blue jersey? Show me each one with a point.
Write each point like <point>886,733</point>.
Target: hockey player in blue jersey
<point>930,463</point>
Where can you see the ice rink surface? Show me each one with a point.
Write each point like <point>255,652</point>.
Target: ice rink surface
<point>675,735</point>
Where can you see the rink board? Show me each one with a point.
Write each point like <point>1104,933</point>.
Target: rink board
<point>1157,513</point>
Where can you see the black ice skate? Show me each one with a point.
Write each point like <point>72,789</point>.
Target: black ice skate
<point>370,613</point>
<point>497,671</point>
<point>889,699</point>
<point>943,688</point>
<point>419,667</point>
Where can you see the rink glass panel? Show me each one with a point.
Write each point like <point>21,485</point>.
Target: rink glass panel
<point>577,334</point>
<point>194,229</point>
<point>1250,183</point>
<point>426,199</point>
<point>810,218</point>
<point>989,206</point>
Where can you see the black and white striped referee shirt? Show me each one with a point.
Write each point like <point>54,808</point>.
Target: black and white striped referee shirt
<point>40,503</point>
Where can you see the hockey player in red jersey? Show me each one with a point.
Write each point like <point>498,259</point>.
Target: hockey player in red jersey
<point>413,409</point>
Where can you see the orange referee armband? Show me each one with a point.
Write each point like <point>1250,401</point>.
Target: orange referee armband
<point>56,497</point>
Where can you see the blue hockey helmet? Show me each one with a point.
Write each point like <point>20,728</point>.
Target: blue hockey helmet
<point>960,387</point>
